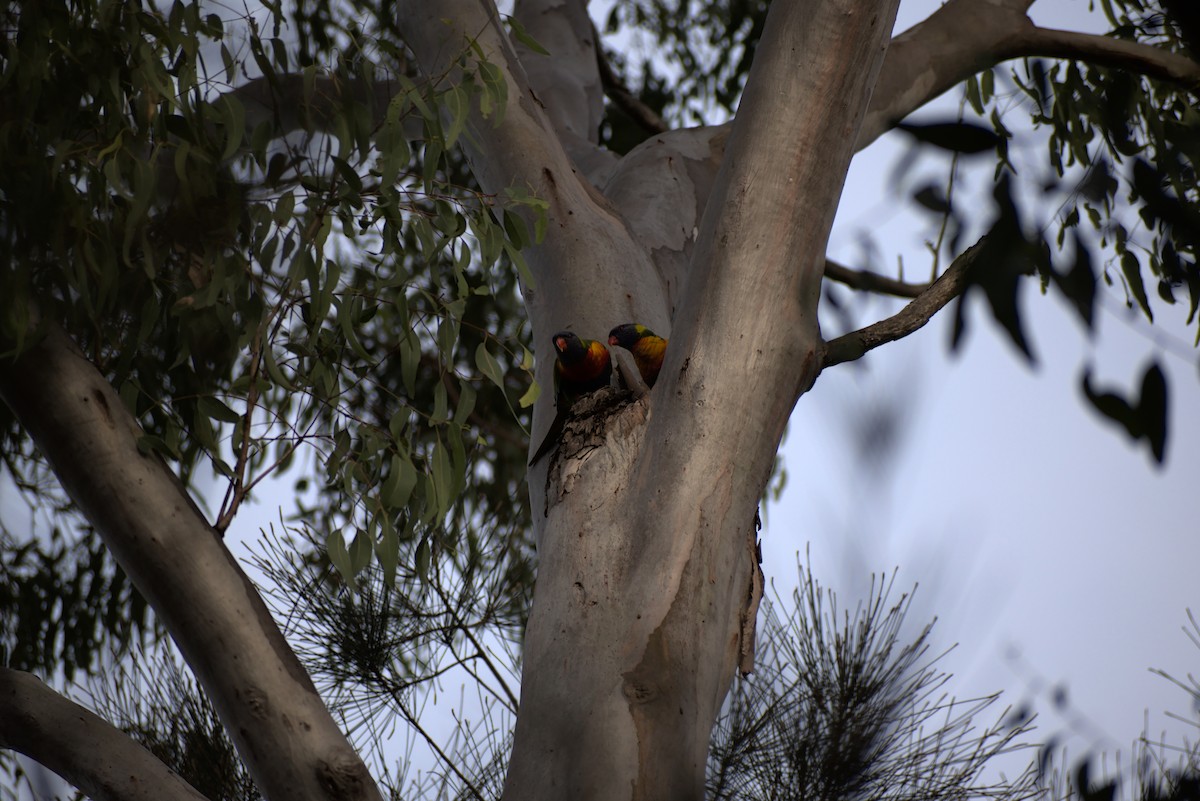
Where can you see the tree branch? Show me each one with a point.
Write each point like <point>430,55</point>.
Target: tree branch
<point>624,99</point>
<point>915,315</point>
<point>262,693</point>
<point>1153,62</point>
<point>964,37</point>
<point>90,753</point>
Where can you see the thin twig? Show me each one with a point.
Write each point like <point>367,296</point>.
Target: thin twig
<point>442,755</point>
<point>239,485</point>
<point>872,282</point>
<point>461,625</point>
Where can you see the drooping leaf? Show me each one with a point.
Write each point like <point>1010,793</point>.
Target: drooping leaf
<point>960,137</point>
<point>1005,257</point>
<point>933,198</point>
<point>1132,270</point>
<point>1078,284</point>
<point>1145,418</point>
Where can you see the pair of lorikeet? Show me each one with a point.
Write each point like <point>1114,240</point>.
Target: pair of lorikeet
<point>584,365</point>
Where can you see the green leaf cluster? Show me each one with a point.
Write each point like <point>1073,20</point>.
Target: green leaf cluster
<point>263,297</point>
<point>66,606</point>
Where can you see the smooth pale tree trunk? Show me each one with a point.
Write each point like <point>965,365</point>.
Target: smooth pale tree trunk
<point>70,740</point>
<point>645,596</point>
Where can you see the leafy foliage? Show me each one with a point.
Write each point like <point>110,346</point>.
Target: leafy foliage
<point>702,51</point>
<point>64,605</point>
<point>1114,135</point>
<point>255,292</point>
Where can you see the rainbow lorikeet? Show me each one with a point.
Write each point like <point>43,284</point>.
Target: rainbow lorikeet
<point>647,348</point>
<point>581,366</point>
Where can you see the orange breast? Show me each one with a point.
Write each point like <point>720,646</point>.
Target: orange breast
<point>648,352</point>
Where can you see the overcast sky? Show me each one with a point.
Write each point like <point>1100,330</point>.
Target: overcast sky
<point>1046,542</point>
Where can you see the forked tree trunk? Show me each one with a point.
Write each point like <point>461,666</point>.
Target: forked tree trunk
<point>644,602</point>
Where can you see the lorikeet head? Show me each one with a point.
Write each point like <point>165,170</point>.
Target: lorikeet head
<point>647,348</point>
<point>571,349</point>
<point>627,334</point>
<point>583,364</point>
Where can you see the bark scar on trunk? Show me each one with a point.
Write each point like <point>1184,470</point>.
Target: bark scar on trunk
<point>102,404</point>
<point>748,619</point>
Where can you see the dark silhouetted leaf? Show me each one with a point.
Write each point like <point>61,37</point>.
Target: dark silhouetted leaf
<point>1145,419</point>
<point>1099,182</point>
<point>960,137</point>
<point>1185,15</point>
<point>1005,257</point>
<point>1083,786</point>
<point>1112,406</point>
<point>1079,283</point>
<point>932,198</point>
<point>1162,206</point>
<point>1153,411</point>
<point>1046,755</point>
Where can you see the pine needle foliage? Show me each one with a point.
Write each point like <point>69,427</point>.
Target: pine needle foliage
<point>842,706</point>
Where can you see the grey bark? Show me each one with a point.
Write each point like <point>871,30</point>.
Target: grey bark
<point>83,749</point>
<point>567,79</point>
<point>264,697</point>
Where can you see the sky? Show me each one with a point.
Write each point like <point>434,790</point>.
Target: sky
<point>1051,548</point>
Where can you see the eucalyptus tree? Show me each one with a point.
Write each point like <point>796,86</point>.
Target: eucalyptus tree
<point>335,236</point>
